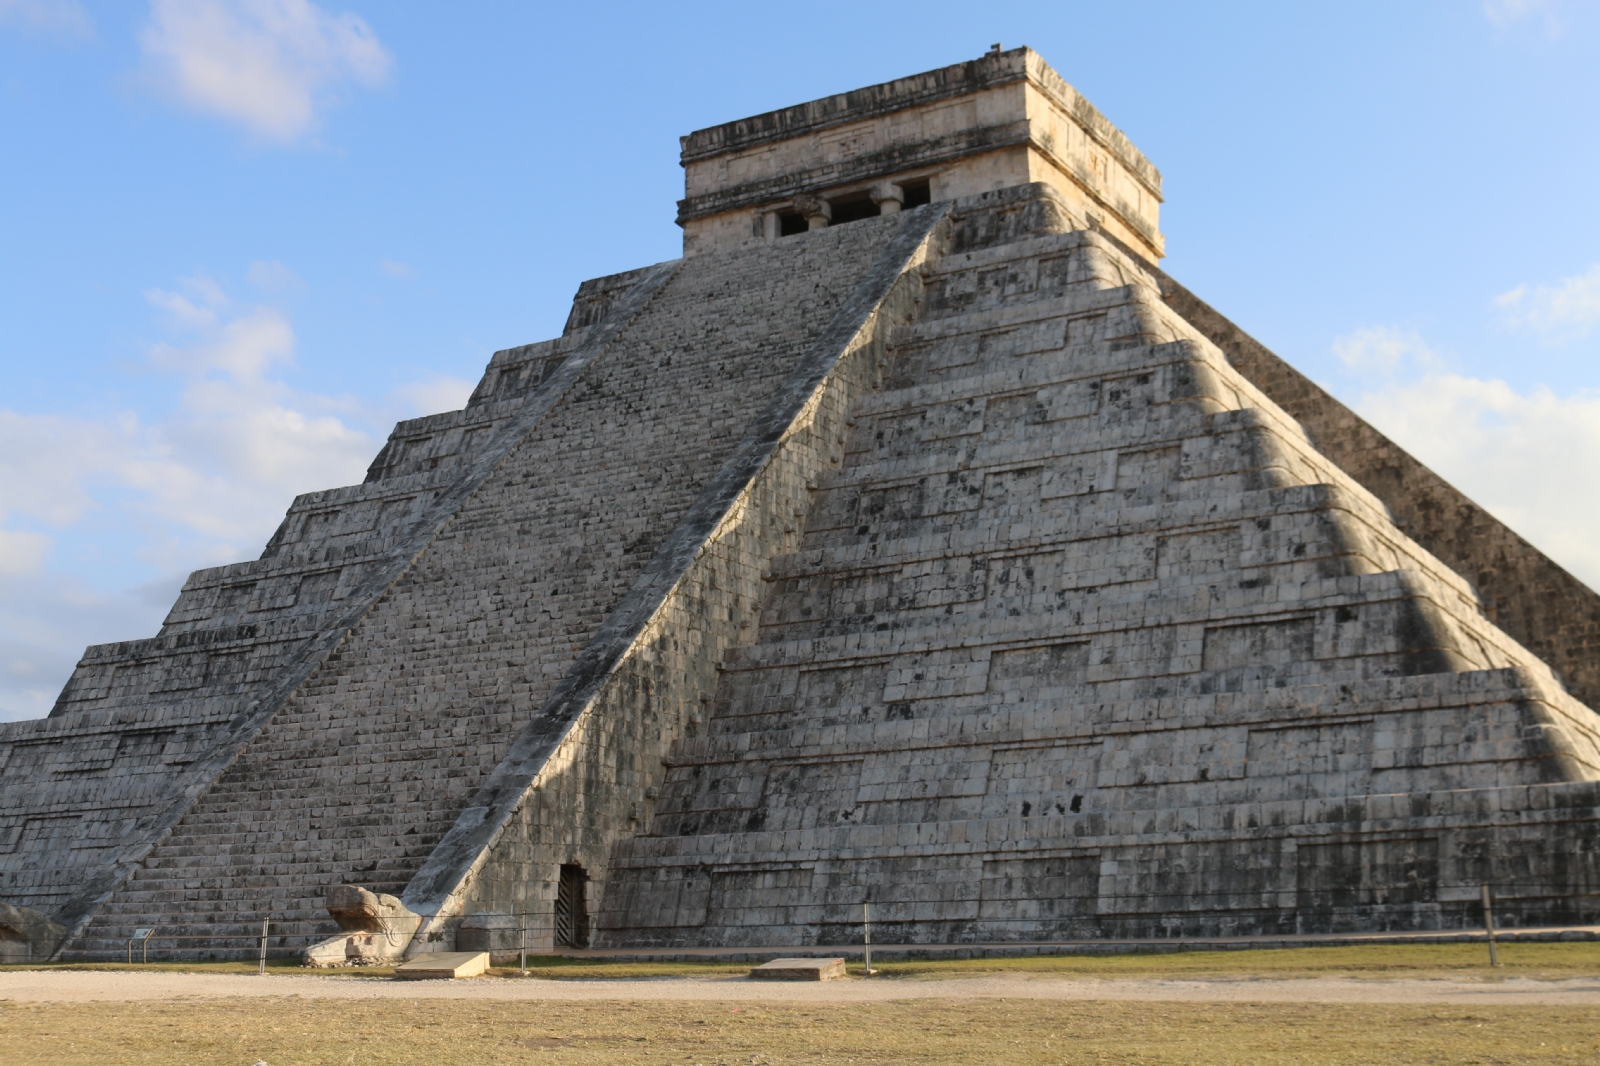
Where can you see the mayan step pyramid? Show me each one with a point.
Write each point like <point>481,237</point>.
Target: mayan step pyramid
<point>915,540</point>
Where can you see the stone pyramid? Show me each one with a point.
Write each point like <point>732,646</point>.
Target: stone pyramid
<point>914,539</point>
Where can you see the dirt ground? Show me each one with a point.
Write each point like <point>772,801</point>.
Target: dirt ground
<point>932,1031</point>
<point>1386,1006</point>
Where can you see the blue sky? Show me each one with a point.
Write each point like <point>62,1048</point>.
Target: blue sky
<point>239,238</point>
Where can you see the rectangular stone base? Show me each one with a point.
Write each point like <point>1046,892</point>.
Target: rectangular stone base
<point>799,970</point>
<point>444,964</point>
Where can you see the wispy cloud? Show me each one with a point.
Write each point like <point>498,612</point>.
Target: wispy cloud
<point>270,66</point>
<point>22,552</point>
<point>432,395</point>
<point>1565,311</point>
<point>269,275</point>
<point>65,18</point>
<point>396,269</point>
<point>202,485</point>
<point>239,445</point>
<point>239,343</point>
<point>1517,453</point>
<point>1503,14</point>
<point>1385,350</point>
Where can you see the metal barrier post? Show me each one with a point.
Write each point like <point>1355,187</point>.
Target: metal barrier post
<point>1488,925</point>
<point>263,968</point>
<point>866,930</point>
<point>522,930</point>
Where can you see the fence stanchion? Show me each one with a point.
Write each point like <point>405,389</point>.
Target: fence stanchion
<point>263,969</point>
<point>866,933</point>
<point>1488,926</point>
<point>522,930</point>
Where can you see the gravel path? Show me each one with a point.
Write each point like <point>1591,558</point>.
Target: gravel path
<point>36,986</point>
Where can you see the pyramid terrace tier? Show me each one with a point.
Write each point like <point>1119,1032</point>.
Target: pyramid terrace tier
<point>1270,865</point>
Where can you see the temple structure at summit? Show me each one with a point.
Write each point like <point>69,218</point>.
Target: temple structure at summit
<point>915,539</point>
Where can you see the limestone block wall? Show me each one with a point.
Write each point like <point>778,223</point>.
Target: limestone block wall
<point>376,750</point>
<point>74,786</point>
<point>1085,637</point>
<point>997,122</point>
<point>585,771</point>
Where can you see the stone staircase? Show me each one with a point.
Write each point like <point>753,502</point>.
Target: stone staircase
<point>363,771</point>
<point>1086,639</point>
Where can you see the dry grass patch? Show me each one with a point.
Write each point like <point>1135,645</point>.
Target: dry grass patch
<point>930,1032</point>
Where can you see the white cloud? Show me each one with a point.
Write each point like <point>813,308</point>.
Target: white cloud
<point>44,459</point>
<point>395,269</point>
<point>1504,13</point>
<point>64,17</point>
<point>202,484</point>
<point>269,65</point>
<point>223,465</point>
<point>1385,350</point>
<point>242,443</point>
<point>22,552</point>
<point>1518,454</point>
<point>1565,311</point>
<point>272,276</point>
<point>244,347</point>
<point>436,394</point>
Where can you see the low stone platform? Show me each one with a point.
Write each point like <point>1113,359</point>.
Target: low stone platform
<point>799,970</point>
<point>444,964</point>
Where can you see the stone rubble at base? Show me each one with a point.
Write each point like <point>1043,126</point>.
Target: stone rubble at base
<point>943,553</point>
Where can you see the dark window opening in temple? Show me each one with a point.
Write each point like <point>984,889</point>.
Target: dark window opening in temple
<point>853,209</point>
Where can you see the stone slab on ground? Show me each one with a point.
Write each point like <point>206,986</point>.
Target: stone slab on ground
<point>444,964</point>
<point>799,970</point>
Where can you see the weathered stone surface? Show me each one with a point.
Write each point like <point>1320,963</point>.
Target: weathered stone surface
<point>443,965</point>
<point>26,935</point>
<point>799,970</point>
<point>1086,639</point>
<point>1000,121</point>
<point>952,557</point>
<point>497,933</point>
<point>377,929</point>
